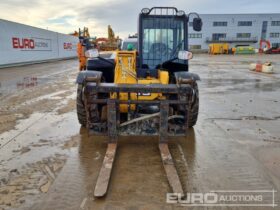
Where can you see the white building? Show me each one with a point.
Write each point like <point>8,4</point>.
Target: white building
<point>236,29</point>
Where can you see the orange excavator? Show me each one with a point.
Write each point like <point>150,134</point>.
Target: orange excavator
<point>76,33</point>
<point>268,49</point>
<point>264,47</point>
<point>110,43</point>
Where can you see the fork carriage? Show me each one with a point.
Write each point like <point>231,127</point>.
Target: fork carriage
<point>165,122</point>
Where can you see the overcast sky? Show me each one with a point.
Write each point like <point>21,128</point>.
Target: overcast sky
<point>66,16</point>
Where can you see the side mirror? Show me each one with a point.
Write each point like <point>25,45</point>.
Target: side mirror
<point>185,55</point>
<point>93,53</point>
<point>197,24</point>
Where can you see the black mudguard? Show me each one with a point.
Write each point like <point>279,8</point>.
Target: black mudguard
<point>186,75</point>
<point>84,74</point>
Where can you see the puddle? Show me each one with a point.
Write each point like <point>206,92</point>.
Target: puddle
<point>239,85</point>
<point>33,154</point>
<point>42,126</point>
<point>222,82</point>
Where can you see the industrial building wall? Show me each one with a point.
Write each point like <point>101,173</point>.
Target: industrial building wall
<point>25,44</point>
<point>199,40</point>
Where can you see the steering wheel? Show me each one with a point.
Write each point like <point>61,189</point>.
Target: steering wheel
<point>159,49</point>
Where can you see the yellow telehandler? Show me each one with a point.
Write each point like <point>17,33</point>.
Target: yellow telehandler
<point>145,92</point>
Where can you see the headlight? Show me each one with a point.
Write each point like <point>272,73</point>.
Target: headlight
<point>93,53</point>
<point>180,13</point>
<point>185,55</point>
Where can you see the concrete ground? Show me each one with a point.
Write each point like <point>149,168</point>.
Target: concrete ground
<point>48,162</point>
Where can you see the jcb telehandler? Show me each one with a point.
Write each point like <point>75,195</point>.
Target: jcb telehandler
<point>149,92</point>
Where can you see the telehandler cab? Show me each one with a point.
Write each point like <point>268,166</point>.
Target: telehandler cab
<point>149,92</point>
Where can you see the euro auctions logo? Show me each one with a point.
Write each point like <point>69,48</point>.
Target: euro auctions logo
<point>225,198</point>
<point>31,44</point>
<point>24,43</point>
<point>67,46</point>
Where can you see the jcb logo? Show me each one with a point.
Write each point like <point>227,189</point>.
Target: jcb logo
<point>23,43</point>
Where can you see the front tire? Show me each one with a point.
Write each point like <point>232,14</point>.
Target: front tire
<point>194,107</point>
<point>193,112</point>
<point>81,111</point>
<point>94,110</point>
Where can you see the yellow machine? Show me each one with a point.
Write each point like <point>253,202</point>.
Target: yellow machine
<point>125,73</point>
<point>218,48</point>
<point>149,92</point>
